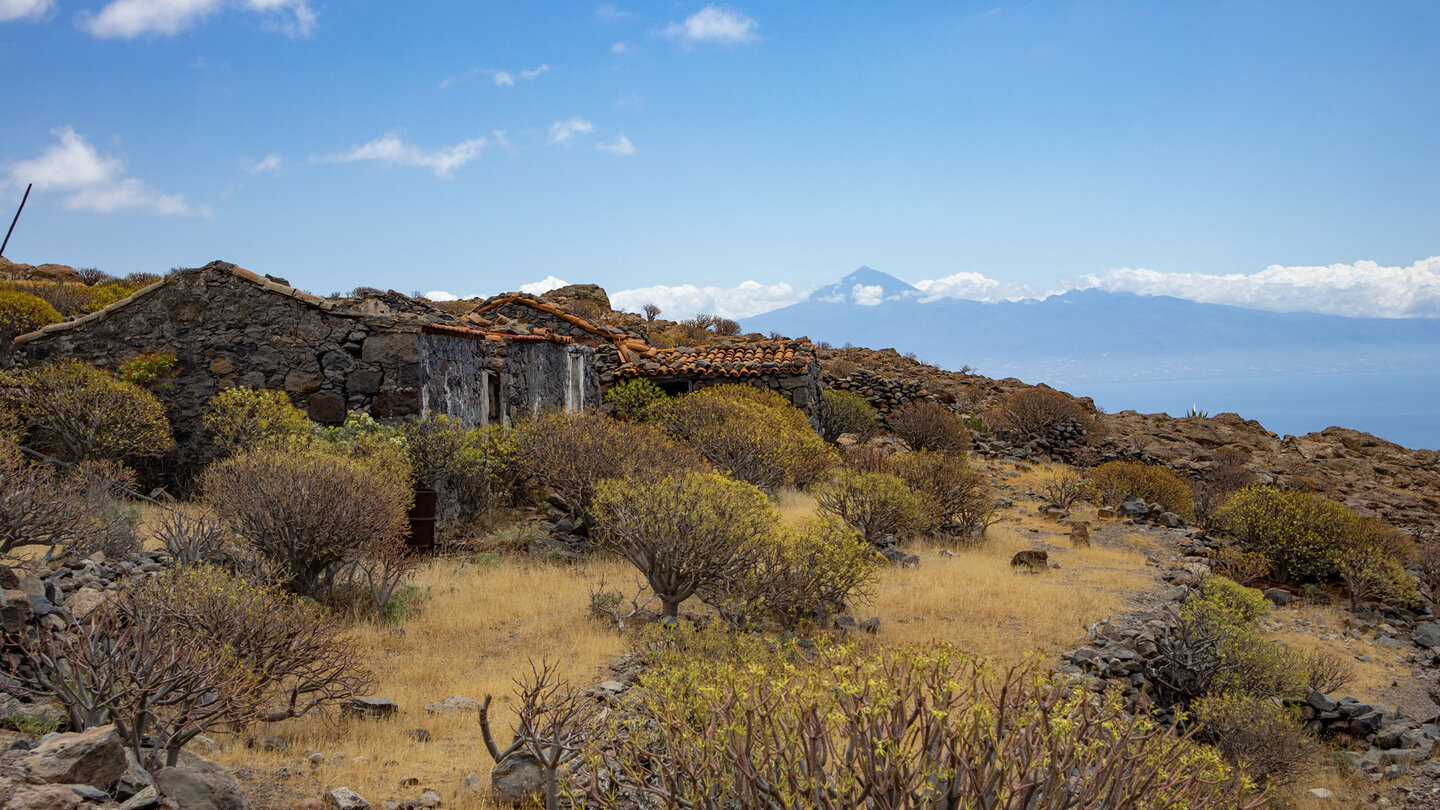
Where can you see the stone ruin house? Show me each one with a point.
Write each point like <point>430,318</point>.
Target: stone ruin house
<point>789,367</point>
<point>385,354</point>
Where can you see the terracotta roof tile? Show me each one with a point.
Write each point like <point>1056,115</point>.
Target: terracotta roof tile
<point>774,357</point>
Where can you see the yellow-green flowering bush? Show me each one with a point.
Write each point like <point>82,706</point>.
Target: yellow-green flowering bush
<point>1117,480</point>
<point>243,417</point>
<point>876,504</point>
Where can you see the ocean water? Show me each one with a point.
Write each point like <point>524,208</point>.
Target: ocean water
<point>1403,407</point>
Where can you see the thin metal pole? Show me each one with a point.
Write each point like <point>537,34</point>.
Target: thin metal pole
<point>6,243</point>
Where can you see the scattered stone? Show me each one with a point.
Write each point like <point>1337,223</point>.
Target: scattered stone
<point>343,798</point>
<point>145,799</point>
<point>517,779</point>
<point>1322,794</point>
<point>454,703</point>
<point>1171,520</point>
<point>1279,596</point>
<point>871,625</point>
<point>1427,635</point>
<point>200,785</point>
<point>419,734</point>
<point>369,708</point>
<point>43,797</point>
<point>92,757</point>
<point>1034,560</point>
<point>1080,535</point>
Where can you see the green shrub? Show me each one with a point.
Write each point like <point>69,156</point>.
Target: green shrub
<point>435,445</point>
<point>753,434</point>
<point>844,412</point>
<point>1245,604</point>
<point>1117,480</point>
<point>878,505</point>
<point>1249,664</point>
<point>802,572</point>
<point>930,426</point>
<point>1265,740</point>
<point>242,417</point>
<point>573,453</point>
<point>1373,574</point>
<point>75,411</point>
<point>633,399</point>
<point>958,499</point>
<point>307,509</point>
<point>21,312</point>
<point>927,727</point>
<point>697,530</point>
<point>1306,536</point>
<point>152,371</point>
<point>484,476</point>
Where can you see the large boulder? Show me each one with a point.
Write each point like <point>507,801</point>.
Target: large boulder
<point>92,757</point>
<point>41,797</point>
<point>1427,635</point>
<point>200,785</point>
<point>517,779</point>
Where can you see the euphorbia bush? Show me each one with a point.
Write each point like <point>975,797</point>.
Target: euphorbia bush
<point>926,727</point>
<point>1117,480</point>
<point>876,504</point>
<point>751,433</point>
<point>76,411</point>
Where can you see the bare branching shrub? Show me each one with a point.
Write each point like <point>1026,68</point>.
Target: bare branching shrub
<point>552,724</point>
<point>37,506</point>
<point>911,728</point>
<point>573,453</point>
<point>683,533</point>
<point>104,488</point>
<point>1064,487</point>
<point>305,510</point>
<point>844,412</point>
<point>243,417</point>
<point>804,572</point>
<point>381,567</point>
<point>754,434</point>
<point>158,686</point>
<point>652,311</point>
<point>93,275</point>
<point>1038,411</point>
<point>615,605</point>
<point>1265,740</point>
<point>298,655</point>
<point>1327,672</point>
<point>958,499</point>
<point>1227,475</point>
<point>1117,480</point>
<point>1427,563</point>
<point>878,505</point>
<point>930,426</point>
<point>75,412</point>
<point>1188,661</point>
<point>1245,567</point>
<point>192,539</point>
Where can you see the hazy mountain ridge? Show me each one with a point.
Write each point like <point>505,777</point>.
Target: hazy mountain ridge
<point>1092,334</point>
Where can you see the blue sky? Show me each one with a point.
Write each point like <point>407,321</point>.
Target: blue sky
<point>731,157</point>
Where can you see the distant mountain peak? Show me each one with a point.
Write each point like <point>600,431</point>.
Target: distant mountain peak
<point>865,286</point>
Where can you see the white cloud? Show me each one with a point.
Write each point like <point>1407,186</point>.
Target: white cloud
<point>441,295</point>
<point>714,24</point>
<point>504,79</point>
<point>530,74</point>
<point>686,300</point>
<point>1362,289</point>
<point>131,18</point>
<point>544,285</point>
<point>270,164</point>
<point>620,147</point>
<point>94,182</point>
<point>621,48</point>
<point>972,286</point>
<point>391,151</point>
<point>609,13</point>
<point>565,132</point>
<point>24,9</point>
<point>868,295</point>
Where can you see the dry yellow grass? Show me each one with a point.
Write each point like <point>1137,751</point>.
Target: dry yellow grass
<point>1372,678</point>
<point>476,633</point>
<point>795,505</point>
<point>976,601</point>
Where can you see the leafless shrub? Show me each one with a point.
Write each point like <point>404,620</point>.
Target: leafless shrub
<point>1063,487</point>
<point>104,494</point>
<point>1328,672</point>
<point>612,603</point>
<point>958,498</point>
<point>551,725</point>
<point>381,568</point>
<point>930,426</point>
<point>1264,739</point>
<point>299,655</point>
<point>1229,474</point>
<point>92,276</point>
<point>572,453</point>
<point>305,510</point>
<point>155,683</point>
<point>651,311</point>
<point>1245,567</point>
<point>1188,660</point>
<point>1427,563</point>
<point>37,507</point>
<point>192,539</point>
<point>1035,411</point>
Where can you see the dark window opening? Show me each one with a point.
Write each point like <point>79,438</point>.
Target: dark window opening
<point>674,387</point>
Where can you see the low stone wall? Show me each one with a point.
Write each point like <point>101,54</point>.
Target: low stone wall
<point>884,394</point>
